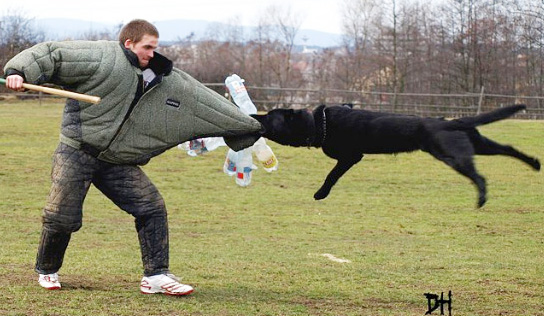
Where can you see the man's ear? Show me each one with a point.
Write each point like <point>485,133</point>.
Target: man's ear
<point>128,44</point>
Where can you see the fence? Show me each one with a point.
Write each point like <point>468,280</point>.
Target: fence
<point>436,105</point>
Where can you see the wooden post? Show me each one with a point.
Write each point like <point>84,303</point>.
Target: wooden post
<point>480,101</point>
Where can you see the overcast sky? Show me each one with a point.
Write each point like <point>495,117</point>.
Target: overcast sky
<point>322,15</point>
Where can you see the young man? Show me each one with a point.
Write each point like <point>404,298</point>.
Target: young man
<point>147,107</point>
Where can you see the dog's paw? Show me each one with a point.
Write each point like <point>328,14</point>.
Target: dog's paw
<point>481,201</point>
<point>536,164</point>
<point>321,194</point>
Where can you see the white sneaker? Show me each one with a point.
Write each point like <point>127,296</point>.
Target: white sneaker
<point>49,281</point>
<point>164,283</point>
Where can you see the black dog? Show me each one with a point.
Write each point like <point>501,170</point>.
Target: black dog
<point>346,135</point>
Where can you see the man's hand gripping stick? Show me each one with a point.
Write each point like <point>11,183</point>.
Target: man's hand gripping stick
<point>59,92</point>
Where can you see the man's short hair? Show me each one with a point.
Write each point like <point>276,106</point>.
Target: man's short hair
<point>136,29</point>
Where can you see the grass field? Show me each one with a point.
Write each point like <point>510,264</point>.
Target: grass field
<point>407,223</point>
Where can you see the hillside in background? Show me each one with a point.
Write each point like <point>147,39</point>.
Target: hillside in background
<point>172,30</point>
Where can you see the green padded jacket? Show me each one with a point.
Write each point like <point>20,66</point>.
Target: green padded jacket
<point>131,124</point>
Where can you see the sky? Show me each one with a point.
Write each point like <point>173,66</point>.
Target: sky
<point>321,15</point>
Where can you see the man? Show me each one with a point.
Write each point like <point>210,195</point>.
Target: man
<point>147,107</point>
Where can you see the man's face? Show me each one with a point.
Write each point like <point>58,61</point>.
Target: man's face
<point>143,49</point>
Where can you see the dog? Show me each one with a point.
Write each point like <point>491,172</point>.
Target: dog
<point>347,134</point>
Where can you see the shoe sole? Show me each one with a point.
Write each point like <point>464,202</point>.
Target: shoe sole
<point>169,293</point>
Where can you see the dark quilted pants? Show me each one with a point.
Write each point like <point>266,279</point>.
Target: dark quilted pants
<point>126,185</point>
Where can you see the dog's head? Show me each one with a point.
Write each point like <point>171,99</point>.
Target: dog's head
<point>288,127</point>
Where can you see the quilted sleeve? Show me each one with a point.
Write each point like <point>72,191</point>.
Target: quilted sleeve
<point>61,63</point>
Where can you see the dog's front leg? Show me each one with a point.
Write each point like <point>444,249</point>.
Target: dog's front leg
<point>342,166</point>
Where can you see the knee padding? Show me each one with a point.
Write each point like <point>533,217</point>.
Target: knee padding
<point>62,223</point>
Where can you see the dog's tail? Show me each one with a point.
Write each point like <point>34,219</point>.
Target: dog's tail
<point>486,118</point>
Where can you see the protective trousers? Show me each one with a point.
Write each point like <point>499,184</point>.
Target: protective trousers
<point>126,185</point>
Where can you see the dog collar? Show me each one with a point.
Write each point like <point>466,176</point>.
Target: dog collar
<point>320,123</point>
<point>324,126</point>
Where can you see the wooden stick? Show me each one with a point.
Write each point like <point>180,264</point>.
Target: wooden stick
<point>59,92</point>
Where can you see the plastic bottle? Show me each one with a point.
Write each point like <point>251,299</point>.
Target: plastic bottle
<point>244,159</point>
<point>229,167</point>
<point>265,155</point>
<point>200,146</point>
<point>196,147</point>
<point>212,143</point>
<point>244,167</point>
<point>239,94</point>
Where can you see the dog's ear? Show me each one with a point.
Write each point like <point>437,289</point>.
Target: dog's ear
<point>289,112</point>
<point>306,126</point>
<point>301,115</point>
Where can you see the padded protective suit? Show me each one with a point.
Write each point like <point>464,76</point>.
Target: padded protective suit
<point>103,144</point>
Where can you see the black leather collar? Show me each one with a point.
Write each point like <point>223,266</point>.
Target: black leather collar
<point>320,123</point>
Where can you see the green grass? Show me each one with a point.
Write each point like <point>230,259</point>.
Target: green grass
<point>407,223</point>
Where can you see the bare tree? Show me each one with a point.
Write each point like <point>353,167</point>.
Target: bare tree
<point>529,15</point>
<point>282,25</point>
<point>274,43</point>
<point>17,32</point>
<point>105,34</point>
<point>362,20</point>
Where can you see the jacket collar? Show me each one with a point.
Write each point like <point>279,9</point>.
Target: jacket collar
<point>159,63</point>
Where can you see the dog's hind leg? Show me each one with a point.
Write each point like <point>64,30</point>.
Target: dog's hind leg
<point>465,166</point>
<point>485,146</point>
<point>456,150</point>
<point>342,166</point>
